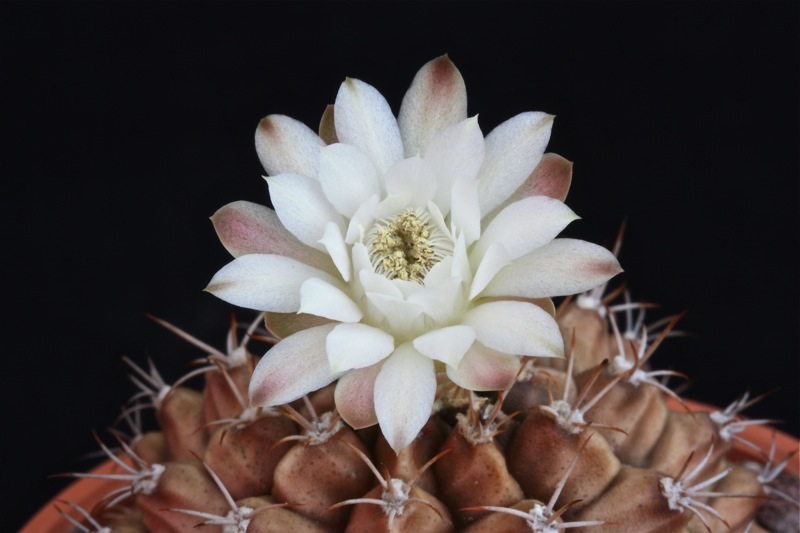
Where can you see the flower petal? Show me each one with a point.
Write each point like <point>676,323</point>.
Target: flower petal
<point>411,179</point>
<point>354,396</point>
<point>551,177</point>
<point>493,261</point>
<point>361,267</point>
<point>564,266</point>
<point>264,282</point>
<point>461,268</point>
<point>516,328</point>
<point>302,207</point>
<point>447,345</point>
<point>465,213</point>
<point>404,394</point>
<point>454,154</point>
<point>295,366</point>
<point>327,128</point>
<point>375,283</point>
<point>282,325</point>
<point>443,299</point>
<point>357,346</point>
<point>348,177</point>
<point>365,120</point>
<point>287,145</point>
<point>401,316</point>
<point>333,241</point>
<point>513,149</point>
<point>437,98</point>
<point>525,225</point>
<point>484,369</point>
<point>247,228</point>
<point>363,218</point>
<point>546,304</point>
<point>320,298</point>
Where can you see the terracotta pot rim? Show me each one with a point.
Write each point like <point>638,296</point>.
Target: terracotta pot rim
<point>84,492</point>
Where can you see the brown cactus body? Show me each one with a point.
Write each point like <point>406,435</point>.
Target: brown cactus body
<point>639,411</point>
<point>299,482</point>
<point>181,419</point>
<point>536,386</point>
<point>592,338</point>
<point>245,457</point>
<point>152,447</point>
<point>219,399</point>
<point>272,518</point>
<point>634,503</point>
<point>541,451</point>
<point>407,463</point>
<point>737,511</point>
<point>474,474</point>
<point>316,476</point>
<point>130,526</point>
<point>416,516</point>
<point>184,485</point>
<point>683,434</point>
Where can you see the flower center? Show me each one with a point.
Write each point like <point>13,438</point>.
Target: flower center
<point>407,246</point>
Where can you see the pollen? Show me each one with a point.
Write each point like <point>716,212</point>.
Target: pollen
<point>406,246</point>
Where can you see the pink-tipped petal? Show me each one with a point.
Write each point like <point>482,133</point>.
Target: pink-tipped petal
<point>264,282</point>
<point>437,98</point>
<point>561,267</point>
<point>484,369</point>
<point>364,119</point>
<point>516,328</point>
<point>551,177</point>
<point>287,145</point>
<point>513,149</point>
<point>404,394</point>
<point>302,207</point>
<point>354,396</point>
<point>295,366</point>
<point>247,228</point>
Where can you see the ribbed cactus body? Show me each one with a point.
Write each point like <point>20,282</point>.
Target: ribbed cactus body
<point>586,447</point>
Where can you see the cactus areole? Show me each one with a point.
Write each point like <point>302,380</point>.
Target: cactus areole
<point>420,377</point>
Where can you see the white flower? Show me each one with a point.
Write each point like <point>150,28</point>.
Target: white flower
<point>416,244</point>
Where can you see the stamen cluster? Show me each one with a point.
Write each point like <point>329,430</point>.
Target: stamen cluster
<point>403,247</point>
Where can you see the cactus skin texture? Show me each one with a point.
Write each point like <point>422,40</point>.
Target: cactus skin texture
<point>590,445</point>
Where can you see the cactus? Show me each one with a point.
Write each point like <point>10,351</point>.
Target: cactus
<point>421,378</point>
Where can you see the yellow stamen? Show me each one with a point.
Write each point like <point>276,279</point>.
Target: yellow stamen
<point>402,248</point>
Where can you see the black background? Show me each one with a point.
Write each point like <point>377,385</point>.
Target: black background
<point>126,125</point>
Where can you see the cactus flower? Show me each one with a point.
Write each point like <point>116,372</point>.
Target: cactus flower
<point>408,246</point>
